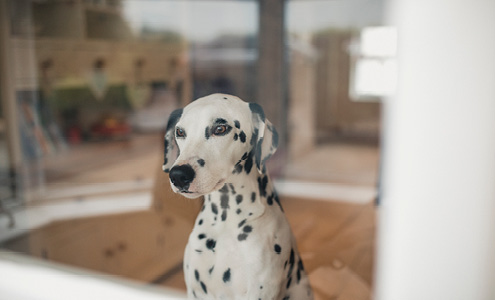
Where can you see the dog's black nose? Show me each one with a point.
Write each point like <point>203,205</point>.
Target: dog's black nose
<point>182,176</point>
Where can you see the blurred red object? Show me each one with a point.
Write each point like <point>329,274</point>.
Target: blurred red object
<point>110,128</point>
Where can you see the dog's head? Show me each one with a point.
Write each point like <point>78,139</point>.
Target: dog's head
<point>214,138</point>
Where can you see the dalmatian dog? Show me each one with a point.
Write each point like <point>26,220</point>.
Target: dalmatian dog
<point>241,246</point>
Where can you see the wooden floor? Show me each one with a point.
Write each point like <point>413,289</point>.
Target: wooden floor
<point>106,162</point>
<point>349,163</point>
<point>336,241</point>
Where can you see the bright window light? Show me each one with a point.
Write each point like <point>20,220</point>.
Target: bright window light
<point>379,41</point>
<point>374,73</point>
<point>375,77</point>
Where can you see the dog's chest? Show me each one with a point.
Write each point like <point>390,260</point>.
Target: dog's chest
<point>234,248</point>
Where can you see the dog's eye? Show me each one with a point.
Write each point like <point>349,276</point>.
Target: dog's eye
<point>220,129</point>
<point>179,132</point>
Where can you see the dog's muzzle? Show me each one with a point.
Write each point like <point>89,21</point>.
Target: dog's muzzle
<point>182,176</point>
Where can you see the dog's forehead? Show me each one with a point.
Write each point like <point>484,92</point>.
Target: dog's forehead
<point>206,110</point>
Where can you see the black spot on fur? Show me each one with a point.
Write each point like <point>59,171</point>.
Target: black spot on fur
<point>237,168</point>
<point>277,199</point>
<point>168,145</point>
<point>224,189</point>
<point>289,282</point>
<point>249,164</point>
<point>196,274</point>
<point>201,236</point>
<point>242,137</point>
<point>300,268</point>
<point>236,137</point>
<point>220,121</point>
<point>210,244</point>
<point>201,162</point>
<point>257,109</point>
<point>232,188</point>
<point>237,124</point>
<point>203,286</point>
<point>254,137</point>
<point>291,263</point>
<point>253,196</point>
<point>238,199</point>
<point>262,182</point>
<point>214,208</point>
<point>207,133</point>
<point>224,215</point>
<point>269,200</point>
<point>242,223</point>
<point>200,222</point>
<point>277,248</point>
<point>238,211</point>
<point>257,154</point>
<point>242,237</point>
<point>274,137</point>
<point>174,118</point>
<point>247,229</point>
<point>226,276</point>
<point>291,258</point>
<point>224,201</point>
<point>211,269</point>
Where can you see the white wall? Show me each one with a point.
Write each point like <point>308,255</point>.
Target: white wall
<point>437,222</point>
<point>26,278</point>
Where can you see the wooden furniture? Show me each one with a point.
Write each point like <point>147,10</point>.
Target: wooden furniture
<point>140,245</point>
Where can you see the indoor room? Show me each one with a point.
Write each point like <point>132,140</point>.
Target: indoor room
<point>87,88</point>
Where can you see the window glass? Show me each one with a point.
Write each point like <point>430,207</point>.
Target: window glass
<point>92,83</point>
<point>323,37</point>
<point>7,187</point>
<point>333,149</point>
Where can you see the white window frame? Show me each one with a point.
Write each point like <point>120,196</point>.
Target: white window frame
<point>373,64</point>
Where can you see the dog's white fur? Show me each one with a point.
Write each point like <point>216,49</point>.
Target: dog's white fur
<point>241,246</point>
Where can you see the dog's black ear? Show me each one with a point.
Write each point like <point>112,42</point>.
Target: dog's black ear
<point>171,151</point>
<point>264,139</point>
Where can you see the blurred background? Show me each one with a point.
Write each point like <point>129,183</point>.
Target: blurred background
<point>86,90</point>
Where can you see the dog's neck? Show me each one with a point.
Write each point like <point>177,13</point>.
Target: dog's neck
<point>246,196</point>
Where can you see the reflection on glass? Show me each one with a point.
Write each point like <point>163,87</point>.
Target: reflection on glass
<point>115,68</point>
<point>95,79</point>
<point>322,36</point>
<point>375,66</point>
<point>7,181</point>
<point>94,82</point>
<point>334,148</point>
